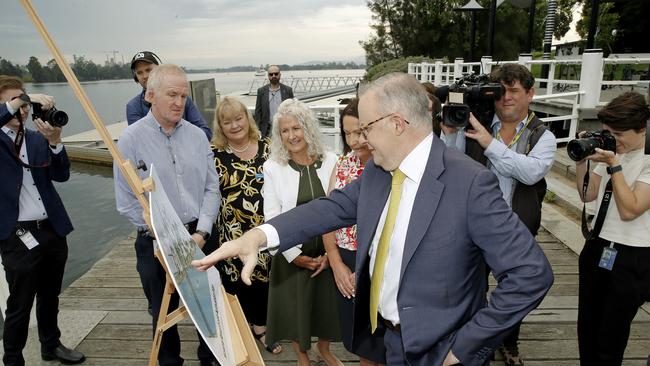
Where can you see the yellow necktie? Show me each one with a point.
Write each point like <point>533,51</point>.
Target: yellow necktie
<point>384,243</point>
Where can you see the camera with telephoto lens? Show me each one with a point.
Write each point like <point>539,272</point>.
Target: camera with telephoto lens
<point>471,93</point>
<point>54,116</point>
<point>579,149</point>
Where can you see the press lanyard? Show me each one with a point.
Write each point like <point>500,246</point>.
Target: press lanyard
<point>518,135</point>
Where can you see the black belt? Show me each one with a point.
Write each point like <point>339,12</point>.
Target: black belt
<point>34,224</point>
<point>389,325</point>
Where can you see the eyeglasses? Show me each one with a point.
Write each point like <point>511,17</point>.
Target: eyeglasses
<point>274,73</point>
<point>365,130</point>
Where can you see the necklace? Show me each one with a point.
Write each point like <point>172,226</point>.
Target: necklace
<point>242,149</point>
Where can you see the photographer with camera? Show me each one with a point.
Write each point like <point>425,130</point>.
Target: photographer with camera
<point>615,261</point>
<point>34,222</point>
<point>518,148</point>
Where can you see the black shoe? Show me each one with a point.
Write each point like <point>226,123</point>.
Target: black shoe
<point>64,354</point>
<point>149,310</point>
<point>511,356</point>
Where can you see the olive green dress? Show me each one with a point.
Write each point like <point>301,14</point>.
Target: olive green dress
<point>301,307</point>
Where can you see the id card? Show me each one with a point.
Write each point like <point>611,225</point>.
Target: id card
<point>27,238</point>
<point>607,258</point>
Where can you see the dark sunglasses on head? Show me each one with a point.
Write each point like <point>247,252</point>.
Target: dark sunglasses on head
<point>274,73</point>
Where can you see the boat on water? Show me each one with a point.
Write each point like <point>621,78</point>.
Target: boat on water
<point>260,71</point>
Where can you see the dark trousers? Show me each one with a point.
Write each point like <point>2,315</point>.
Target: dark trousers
<point>395,355</point>
<point>153,278</point>
<point>609,300</point>
<point>32,273</point>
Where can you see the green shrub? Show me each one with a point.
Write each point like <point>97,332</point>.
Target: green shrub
<point>396,65</point>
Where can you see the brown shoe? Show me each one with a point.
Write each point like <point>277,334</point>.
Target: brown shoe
<point>511,355</point>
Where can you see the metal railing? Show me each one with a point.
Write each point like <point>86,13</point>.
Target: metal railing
<point>309,83</point>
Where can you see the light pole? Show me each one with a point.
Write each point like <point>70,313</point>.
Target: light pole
<point>548,37</point>
<point>593,24</point>
<point>491,26</point>
<point>473,7</point>
<point>531,25</point>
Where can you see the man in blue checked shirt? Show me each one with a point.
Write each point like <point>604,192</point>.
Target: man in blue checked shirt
<point>519,149</point>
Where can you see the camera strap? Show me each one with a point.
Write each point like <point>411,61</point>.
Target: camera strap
<point>602,211</point>
<point>18,145</point>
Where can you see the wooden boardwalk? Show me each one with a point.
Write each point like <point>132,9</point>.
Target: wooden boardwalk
<point>105,310</point>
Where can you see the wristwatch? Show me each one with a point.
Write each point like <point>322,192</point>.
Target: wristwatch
<point>614,169</point>
<point>205,235</point>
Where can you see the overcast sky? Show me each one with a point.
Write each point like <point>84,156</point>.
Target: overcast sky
<point>192,33</point>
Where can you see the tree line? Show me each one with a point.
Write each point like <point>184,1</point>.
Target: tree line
<point>86,70</point>
<point>436,29</point>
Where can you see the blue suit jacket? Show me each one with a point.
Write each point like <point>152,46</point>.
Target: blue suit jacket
<point>458,223</point>
<point>136,109</point>
<point>38,151</point>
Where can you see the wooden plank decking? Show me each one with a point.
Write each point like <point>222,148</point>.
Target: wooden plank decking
<point>111,298</point>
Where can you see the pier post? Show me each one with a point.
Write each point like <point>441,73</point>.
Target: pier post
<point>486,64</point>
<point>458,68</point>
<point>426,72</point>
<point>437,79</point>
<point>591,76</point>
<point>524,58</point>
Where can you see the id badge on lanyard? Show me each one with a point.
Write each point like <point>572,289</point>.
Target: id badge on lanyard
<point>608,257</point>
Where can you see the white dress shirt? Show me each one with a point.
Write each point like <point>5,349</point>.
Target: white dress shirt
<point>413,167</point>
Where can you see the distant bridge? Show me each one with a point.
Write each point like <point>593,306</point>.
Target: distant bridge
<point>309,84</point>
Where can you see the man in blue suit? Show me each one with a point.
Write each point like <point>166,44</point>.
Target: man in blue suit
<point>34,224</point>
<point>428,219</point>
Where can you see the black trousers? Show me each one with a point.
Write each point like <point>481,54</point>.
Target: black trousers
<point>153,278</point>
<point>609,300</point>
<point>32,273</point>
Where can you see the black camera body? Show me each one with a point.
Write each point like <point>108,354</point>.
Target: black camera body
<point>579,149</point>
<point>471,93</point>
<point>54,116</point>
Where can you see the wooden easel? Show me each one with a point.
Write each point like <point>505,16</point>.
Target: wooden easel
<point>244,346</point>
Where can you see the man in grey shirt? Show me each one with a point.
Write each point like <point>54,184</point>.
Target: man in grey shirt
<point>184,164</point>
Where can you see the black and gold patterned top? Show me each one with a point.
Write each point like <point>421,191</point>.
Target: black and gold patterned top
<point>242,206</point>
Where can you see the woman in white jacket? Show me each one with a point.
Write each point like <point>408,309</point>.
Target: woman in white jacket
<point>302,299</point>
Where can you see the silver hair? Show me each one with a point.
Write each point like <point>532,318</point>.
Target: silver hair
<point>159,72</point>
<point>401,93</point>
<point>307,119</point>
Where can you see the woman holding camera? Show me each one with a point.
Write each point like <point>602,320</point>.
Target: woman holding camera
<point>615,261</point>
